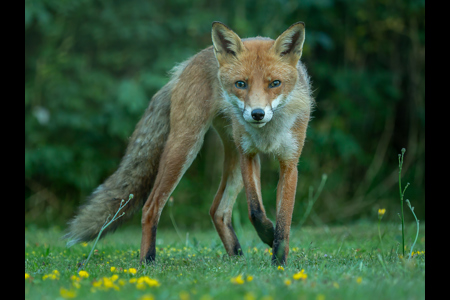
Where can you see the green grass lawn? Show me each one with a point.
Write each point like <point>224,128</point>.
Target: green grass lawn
<point>345,262</point>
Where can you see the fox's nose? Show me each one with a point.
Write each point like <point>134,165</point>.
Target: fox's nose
<point>258,114</point>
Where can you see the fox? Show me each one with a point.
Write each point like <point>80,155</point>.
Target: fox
<point>256,94</point>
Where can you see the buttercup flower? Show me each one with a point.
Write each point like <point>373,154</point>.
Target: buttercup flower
<point>83,274</point>
<point>238,279</point>
<point>132,271</point>
<point>381,213</point>
<point>300,275</point>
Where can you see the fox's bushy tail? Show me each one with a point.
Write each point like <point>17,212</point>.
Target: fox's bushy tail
<point>135,175</point>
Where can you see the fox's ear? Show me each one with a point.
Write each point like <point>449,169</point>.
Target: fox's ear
<point>289,44</point>
<point>227,44</point>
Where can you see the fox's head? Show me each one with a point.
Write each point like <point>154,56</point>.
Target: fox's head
<point>258,75</point>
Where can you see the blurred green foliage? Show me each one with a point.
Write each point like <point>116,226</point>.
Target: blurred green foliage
<point>92,66</point>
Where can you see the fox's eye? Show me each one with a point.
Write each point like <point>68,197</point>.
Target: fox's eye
<point>274,83</point>
<point>240,85</point>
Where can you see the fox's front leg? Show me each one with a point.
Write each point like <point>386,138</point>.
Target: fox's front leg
<point>251,169</point>
<point>285,205</point>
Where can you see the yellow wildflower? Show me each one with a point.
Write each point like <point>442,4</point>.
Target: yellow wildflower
<point>83,274</point>
<point>27,276</point>
<point>67,293</point>
<point>97,283</point>
<point>237,280</point>
<point>300,275</point>
<point>132,270</point>
<point>249,278</point>
<point>336,285</point>
<point>359,280</point>
<point>84,244</point>
<point>381,213</point>
<point>287,282</point>
<point>53,276</point>
<point>149,281</point>
<point>108,284</point>
<point>280,268</point>
<point>147,297</point>
<point>113,269</point>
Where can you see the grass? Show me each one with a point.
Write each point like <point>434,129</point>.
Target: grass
<point>345,262</point>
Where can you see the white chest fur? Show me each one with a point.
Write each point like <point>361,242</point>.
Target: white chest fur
<point>275,138</point>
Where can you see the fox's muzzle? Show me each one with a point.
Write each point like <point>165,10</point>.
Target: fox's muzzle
<point>258,114</point>
<point>258,117</point>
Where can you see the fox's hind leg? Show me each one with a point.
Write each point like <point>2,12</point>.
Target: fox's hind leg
<point>191,113</point>
<point>230,186</point>
<point>176,159</point>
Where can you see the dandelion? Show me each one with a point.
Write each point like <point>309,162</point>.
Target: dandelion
<point>132,271</point>
<point>359,280</point>
<point>67,293</point>
<point>237,280</point>
<point>249,278</point>
<point>83,274</point>
<point>97,283</point>
<point>287,282</point>
<point>147,297</point>
<point>27,276</point>
<point>113,269</point>
<point>280,268</point>
<point>114,277</point>
<point>84,244</point>
<point>53,276</point>
<point>300,275</point>
<point>109,284</point>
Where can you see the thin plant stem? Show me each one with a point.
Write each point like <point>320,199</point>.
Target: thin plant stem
<point>417,234</point>
<point>402,193</point>
<point>379,232</point>
<point>173,219</point>
<point>312,199</point>
<point>105,225</point>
